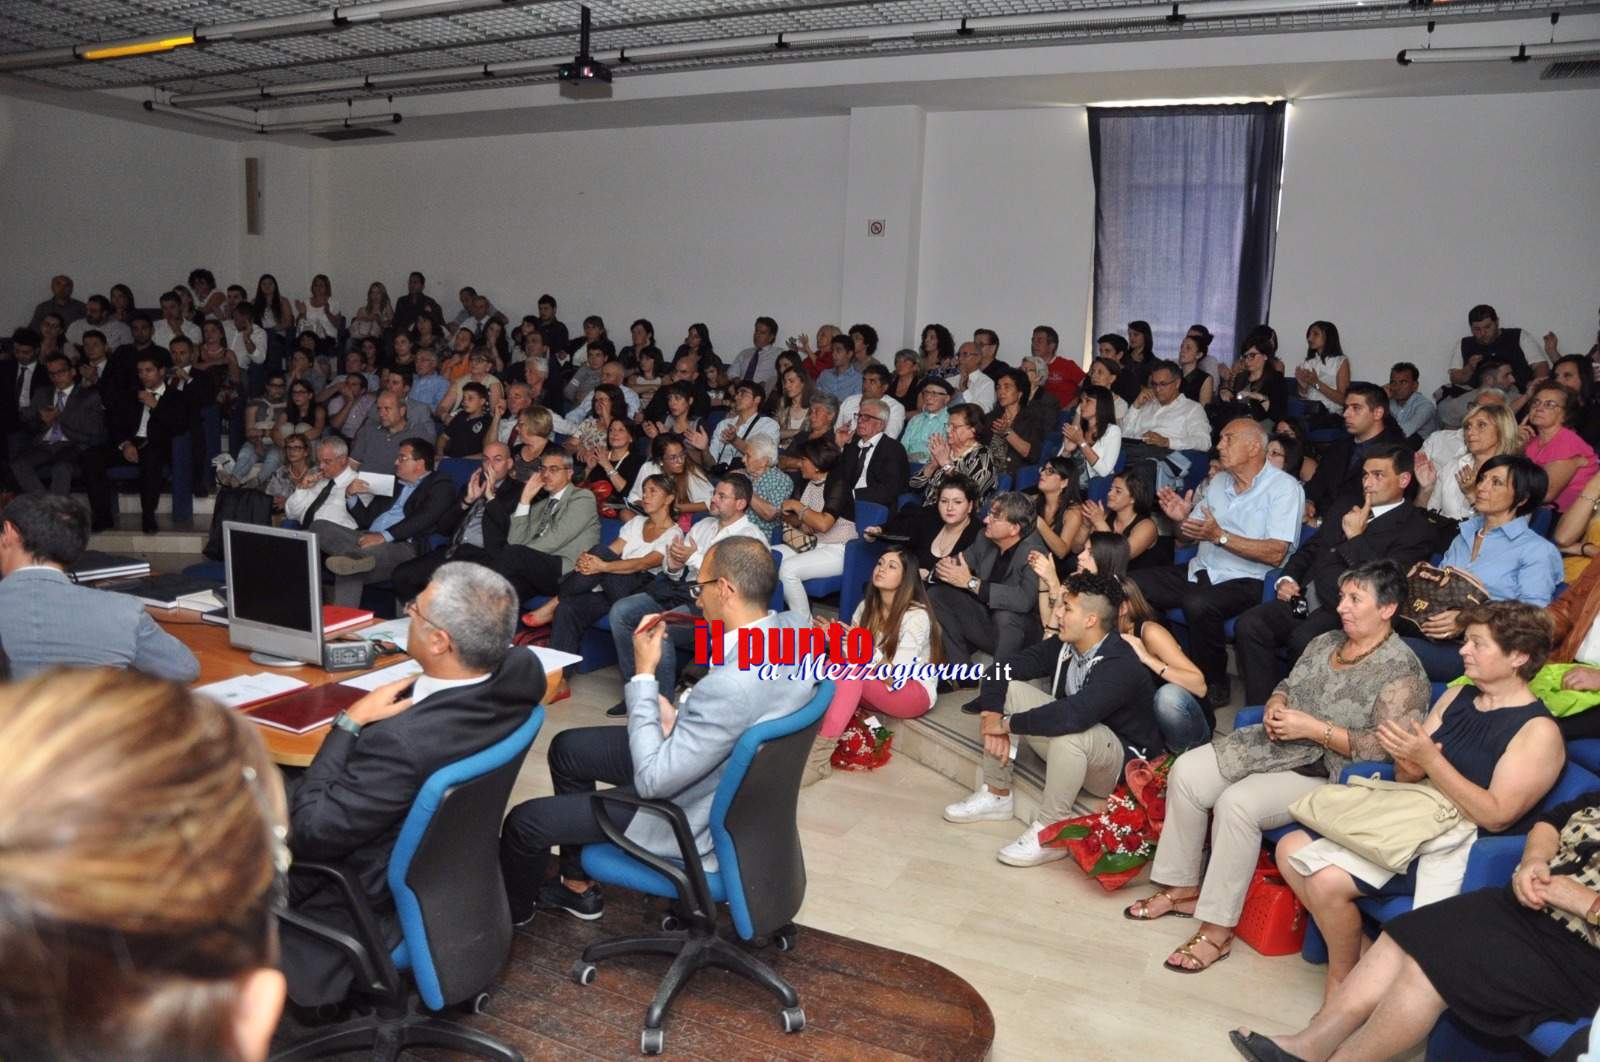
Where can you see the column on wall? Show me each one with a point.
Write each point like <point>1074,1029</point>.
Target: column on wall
<point>883,216</point>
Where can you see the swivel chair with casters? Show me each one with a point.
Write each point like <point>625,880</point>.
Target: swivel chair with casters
<point>456,926</point>
<point>760,873</point>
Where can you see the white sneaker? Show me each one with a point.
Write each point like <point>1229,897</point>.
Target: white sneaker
<point>223,463</point>
<point>1026,851</point>
<point>982,806</point>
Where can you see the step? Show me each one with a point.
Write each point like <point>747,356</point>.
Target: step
<point>127,537</point>
<point>129,504</point>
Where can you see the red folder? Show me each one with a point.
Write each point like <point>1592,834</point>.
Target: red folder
<point>306,709</point>
<point>340,618</point>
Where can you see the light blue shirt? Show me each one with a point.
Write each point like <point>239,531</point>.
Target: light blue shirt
<point>840,385</point>
<point>394,513</point>
<point>1514,563</point>
<point>430,389</point>
<point>1416,417</point>
<point>1271,508</point>
<point>918,430</point>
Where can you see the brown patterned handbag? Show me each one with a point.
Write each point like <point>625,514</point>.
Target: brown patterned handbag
<point>1431,590</point>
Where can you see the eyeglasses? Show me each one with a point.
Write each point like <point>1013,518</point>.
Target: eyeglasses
<point>1549,404</point>
<point>413,610</point>
<point>699,588</point>
<point>551,470</point>
<point>869,416</point>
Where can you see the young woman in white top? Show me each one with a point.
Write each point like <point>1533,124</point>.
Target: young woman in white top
<point>692,490</point>
<point>815,512</point>
<point>905,633</point>
<point>1103,372</point>
<point>606,574</point>
<point>321,315</point>
<point>793,407</point>
<point>1325,374</point>
<point>377,315</point>
<point>1093,435</point>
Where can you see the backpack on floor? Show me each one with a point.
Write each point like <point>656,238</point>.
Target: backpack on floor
<point>241,505</point>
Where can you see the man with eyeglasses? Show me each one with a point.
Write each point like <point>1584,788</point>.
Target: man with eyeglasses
<point>671,749</point>
<point>389,530</point>
<point>555,520</point>
<point>973,384</point>
<point>875,465</point>
<point>875,380</point>
<point>1368,429</point>
<point>674,588</point>
<point>68,421</point>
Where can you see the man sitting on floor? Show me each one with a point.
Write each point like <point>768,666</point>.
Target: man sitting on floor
<point>1386,524</point>
<point>668,751</point>
<point>1099,705</point>
<point>46,620</point>
<point>391,530</point>
<point>348,807</point>
<point>673,589</point>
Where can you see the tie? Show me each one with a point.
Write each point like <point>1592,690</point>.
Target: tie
<point>316,506</point>
<point>750,369</point>
<point>466,524</point>
<point>549,515</point>
<point>55,435</point>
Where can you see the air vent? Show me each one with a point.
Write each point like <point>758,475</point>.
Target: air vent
<point>354,133</point>
<point>1571,70</point>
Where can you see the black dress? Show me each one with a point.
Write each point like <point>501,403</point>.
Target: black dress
<point>1502,968</point>
<point>1159,555</point>
<point>1194,381</point>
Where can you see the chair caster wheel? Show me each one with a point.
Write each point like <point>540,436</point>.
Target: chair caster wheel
<point>671,923</point>
<point>651,1041</point>
<point>584,973</point>
<point>794,1019</point>
<point>479,1004</point>
<point>785,939</point>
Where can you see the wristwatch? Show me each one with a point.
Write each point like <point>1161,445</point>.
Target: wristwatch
<point>972,584</point>
<point>1222,539</point>
<point>344,722</point>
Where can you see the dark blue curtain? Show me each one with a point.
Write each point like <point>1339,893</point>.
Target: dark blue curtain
<point>1186,213</point>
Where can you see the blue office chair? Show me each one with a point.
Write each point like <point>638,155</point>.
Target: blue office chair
<point>457,926</point>
<point>760,873</point>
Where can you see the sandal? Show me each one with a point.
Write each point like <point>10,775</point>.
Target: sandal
<point>1188,952</point>
<point>1139,910</point>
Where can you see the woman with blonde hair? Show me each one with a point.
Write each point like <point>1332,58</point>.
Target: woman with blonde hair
<point>142,859</point>
<point>1447,489</point>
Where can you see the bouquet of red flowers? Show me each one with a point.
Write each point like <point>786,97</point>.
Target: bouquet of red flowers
<point>1112,845</point>
<point>864,745</point>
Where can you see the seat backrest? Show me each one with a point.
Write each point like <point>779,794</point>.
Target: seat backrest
<point>445,871</point>
<point>870,514</point>
<point>459,469</point>
<point>753,827</point>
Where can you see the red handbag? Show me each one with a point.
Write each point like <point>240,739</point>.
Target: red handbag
<point>1273,920</point>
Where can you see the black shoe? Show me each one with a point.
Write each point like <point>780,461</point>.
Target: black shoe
<point>1219,694</point>
<point>618,710</point>
<point>972,707</point>
<point>587,905</point>
<point>150,527</point>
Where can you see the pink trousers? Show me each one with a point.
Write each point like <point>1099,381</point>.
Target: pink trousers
<point>907,702</point>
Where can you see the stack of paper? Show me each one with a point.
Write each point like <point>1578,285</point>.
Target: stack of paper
<point>241,691</point>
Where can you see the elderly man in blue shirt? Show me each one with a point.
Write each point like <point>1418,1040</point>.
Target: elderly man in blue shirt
<point>1246,524</point>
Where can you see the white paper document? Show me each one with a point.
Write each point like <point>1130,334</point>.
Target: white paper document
<point>394,630</point>
<point>393,673</point>
<point>382,485</point>
<point>248,689</point>
<point>554,658</point>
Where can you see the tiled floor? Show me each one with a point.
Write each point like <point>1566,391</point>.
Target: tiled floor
<point>1065,975</point>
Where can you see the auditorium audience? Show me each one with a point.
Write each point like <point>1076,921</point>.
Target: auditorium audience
<point>1196,381</point>
<point>792,410</point>
<point>1306,596</point>
<point>841,379</point>
<point>47,620</point>
<point>1063,376</point>
<point>972,384</point>
<point>466,433</point>
<point>758,363</point>
<point>60,302</point>
<point>274,312</point>
<point>376,315</point>
<point>1498,549</point>
<point>1018,427</point>
<point>1057,503</point>
<point>97,316</point>
<point>1163,419</point>
<point>554,521</point>
<point>875,381</point>
<point>1245,522</point>
<point>670,457</point>
<point>142,865</point>
<point>874,464</point>
<point>1492,375</point>
<point>297,468</point>
<point>1577,533</point>
<point>1257,389</point>
<point>389,530</point>
<point>1326,714</point>
<point>141,435</point>
<point>1567,460</point>
<point>1097,705</point>
<point>348,807</point>
<point>1414,412</point>
<point>726,444</point>
<point>1180,687</point>
<point>770,487</point>
<point>906,387</point>
<point>1491,748</point>
<point>609,470</point>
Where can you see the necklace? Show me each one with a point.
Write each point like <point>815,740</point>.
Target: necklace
<point>1338,654</point>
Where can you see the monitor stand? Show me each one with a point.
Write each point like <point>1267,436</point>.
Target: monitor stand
<point>275,661</point>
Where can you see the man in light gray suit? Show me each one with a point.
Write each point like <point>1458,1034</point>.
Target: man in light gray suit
<point>674,752</point>
<point>555,520</point>
<point>46,620</point>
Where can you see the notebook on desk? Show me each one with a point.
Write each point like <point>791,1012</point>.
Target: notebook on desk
<point>305,710</point>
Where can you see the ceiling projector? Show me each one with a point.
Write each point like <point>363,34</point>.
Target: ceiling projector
<point>585,77</point>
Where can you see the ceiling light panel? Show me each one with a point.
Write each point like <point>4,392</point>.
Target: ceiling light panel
<point>435,31</point>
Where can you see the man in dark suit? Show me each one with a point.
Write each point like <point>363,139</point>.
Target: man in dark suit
<point>389,530</point>
<point>199,393</point>
<point>1337,484</point>
<point>1385,524</point>
<point>988,597</point>
<point>141,435</point>
<point>66,422</point>
<point>875,464</point>
<point>22,383</point>
<point>348,807</point>
<point>477,525</point>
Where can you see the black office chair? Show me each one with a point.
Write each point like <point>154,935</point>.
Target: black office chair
<point>457,926</point>
<point>760,875</point>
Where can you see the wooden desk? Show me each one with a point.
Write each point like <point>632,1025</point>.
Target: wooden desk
<point>219,660</point>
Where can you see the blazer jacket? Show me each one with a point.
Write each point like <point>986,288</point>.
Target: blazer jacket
<point>47,620</point>
<point>574,528</point>
<point>83,421</point>
<point>10,415</point>
<point>888,471</point>
<point>1019,590</point>
<point>496,515</point>
<point>425,514</point>
<point>1337,484</point>
<point>686,766</point>
<point>168,420</point>
<point>1403,534</point>
<point>348,807</point>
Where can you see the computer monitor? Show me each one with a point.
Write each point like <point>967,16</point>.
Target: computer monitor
<point>274,593</point>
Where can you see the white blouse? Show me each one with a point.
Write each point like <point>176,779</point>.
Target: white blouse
<point>316,319</point>
<point>912,648</point>
<point>635,545</point>
<point>1327,370</point>
<point>1108,448</point>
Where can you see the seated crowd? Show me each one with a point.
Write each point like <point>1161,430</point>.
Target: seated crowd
<point>1104,535</point>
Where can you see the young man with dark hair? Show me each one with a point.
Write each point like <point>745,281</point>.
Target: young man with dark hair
<point>843,379</point>
<point>59,429</point>
<point>758,363</point>
<point>1368,427</point>
<point>1516,347</point>
<point>987,340</point>
<point>1098,708</point>
<point>141,433</point>
<point>415,303</point>
<point>1414,413</point>
<point>554,332</point>
<point>48,621</point>
<point>875,381</point>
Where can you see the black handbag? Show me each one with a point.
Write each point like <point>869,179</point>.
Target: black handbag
<point>242,505</point>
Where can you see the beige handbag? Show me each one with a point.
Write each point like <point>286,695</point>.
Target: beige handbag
<point>1383,822</point>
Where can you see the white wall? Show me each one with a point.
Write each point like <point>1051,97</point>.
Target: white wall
<point>107,201</point>
<point>1399,215</point>
<point>715,223</point>
<point>1008,225</point>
